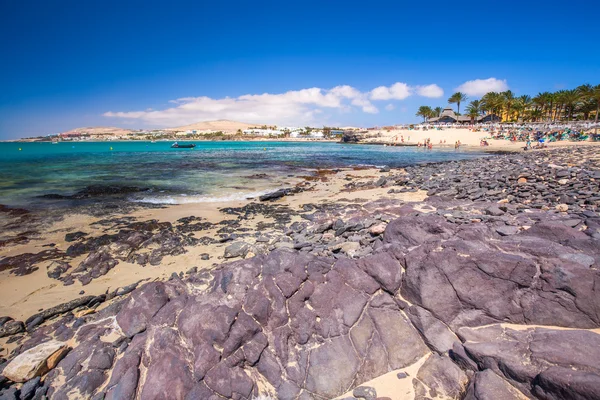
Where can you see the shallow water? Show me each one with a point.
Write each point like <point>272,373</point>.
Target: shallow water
<point>213,171</point>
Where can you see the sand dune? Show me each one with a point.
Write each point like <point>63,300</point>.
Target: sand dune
<point>99,130</point>
<point>224,125</point>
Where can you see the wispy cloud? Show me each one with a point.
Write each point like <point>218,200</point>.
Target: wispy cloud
<point>390,107</point>
<point>479,87</point>
<point>292,107</point>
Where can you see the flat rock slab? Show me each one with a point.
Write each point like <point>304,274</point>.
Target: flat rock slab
<point>36,361</point>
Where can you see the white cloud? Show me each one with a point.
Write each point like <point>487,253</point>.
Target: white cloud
<point>290,108</point>
<point>398,91</point>
<point>432,90</point>
<point>389,107</point>
<point>479,87</point>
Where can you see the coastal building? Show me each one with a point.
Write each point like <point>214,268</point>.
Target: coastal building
<point>448,116</point>
<point>263,132</point>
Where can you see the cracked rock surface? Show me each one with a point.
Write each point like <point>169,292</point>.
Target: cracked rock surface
<point>483,291</point>
<point>486,315</point>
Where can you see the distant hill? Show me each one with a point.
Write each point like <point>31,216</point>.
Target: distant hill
<point>99,130</point>
<point>223,125</point>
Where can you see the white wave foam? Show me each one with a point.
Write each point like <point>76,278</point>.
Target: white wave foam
<point>192,199</point>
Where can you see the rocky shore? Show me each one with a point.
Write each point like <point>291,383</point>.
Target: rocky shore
<point>486,289</point>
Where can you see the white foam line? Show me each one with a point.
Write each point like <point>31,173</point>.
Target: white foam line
<point>185,199</point>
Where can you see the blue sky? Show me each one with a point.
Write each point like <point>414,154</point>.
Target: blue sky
<point>67,64</point>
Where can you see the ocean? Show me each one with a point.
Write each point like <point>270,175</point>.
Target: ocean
<point>211,172</point>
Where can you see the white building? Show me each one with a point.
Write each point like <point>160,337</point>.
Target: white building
<point>263,132</point>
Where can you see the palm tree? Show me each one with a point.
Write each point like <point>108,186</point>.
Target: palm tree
<point>533,114</point>
<point>559,104</point>
<point>458,98</point>
<point>540,102</point>
<point>592,94</point>
<point>545,103</point>
<point>437,111</point>
<point>571,100</point>
<point>425,112</point>
<point>492,102</point>
<point>508,100</point>
<point>522,104</point>
<point>474,109</point>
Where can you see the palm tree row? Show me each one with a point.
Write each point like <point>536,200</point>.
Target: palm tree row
<point>563,105</point>
<point>427,112</point>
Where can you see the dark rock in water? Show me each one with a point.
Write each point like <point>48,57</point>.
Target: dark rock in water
<point>97,191</point>
<point>11,328</point>
<point>274,195</point>
<point>351,137</point>
<point>71,237</point>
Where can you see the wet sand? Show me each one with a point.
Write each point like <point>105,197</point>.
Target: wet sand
<point>22,296</point>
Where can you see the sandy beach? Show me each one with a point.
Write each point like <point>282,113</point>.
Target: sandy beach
<point>448,136</point>
<point>21,296</point>
<point>404,280</point>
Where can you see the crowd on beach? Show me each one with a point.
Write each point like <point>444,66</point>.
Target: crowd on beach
<point>551,132</point>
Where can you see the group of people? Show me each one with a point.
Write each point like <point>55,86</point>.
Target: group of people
<point>427,144</point>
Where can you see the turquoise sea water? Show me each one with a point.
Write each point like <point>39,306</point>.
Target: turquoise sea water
<point>213,171</point>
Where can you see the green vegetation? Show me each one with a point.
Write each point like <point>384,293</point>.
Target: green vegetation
<point>458,98</point>
<point>564,105</point>
<point>426,112</point>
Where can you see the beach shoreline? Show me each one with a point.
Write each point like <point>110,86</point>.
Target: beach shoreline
<point>82,271</point>
<point>21,296</point>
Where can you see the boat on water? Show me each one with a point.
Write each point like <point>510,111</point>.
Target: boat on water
<point>182,146</point>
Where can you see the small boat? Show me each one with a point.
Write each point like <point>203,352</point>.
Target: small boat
<point>182,146</point>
